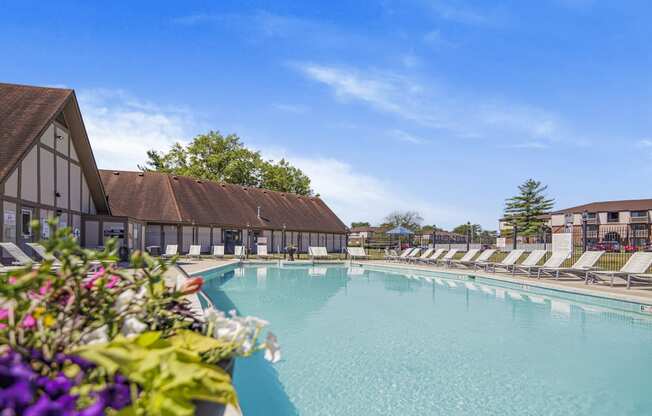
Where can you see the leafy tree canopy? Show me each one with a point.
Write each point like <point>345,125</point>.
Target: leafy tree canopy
<point>360,224</point>
<point>215,157</point>
<point>408,219</point>
<point>526,209</point>
<point>464,229</point>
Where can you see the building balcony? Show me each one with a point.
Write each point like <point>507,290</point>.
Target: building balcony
<point>640,219</point>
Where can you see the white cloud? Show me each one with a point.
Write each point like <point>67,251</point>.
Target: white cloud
<point>435,106</point>
<point>359,196</point>
<point>122,128</point>
<point>645,143</point>
<point>407,137</point>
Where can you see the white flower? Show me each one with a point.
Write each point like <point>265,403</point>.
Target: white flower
<point>132,326</point>
<point>97,336</point>
<point>272,349</point>
<point>125,298</point>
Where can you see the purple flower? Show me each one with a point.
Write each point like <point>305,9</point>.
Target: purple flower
<point>46,407</point>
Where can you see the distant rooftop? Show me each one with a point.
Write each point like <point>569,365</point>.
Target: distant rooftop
<point>610,206</point>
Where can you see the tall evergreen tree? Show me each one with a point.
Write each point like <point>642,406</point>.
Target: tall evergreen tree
<point>525,209</point>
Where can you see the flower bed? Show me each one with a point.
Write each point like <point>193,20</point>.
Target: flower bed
<point>86,338</point>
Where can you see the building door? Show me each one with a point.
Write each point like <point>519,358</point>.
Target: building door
<point>26,232</point>
<point>231,239</point>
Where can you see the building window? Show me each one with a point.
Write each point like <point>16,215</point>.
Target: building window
<point>639,215</point>
<point>613,217</point>
<point>26,222</point>
<point>9,224</point>
<point>590,215</point>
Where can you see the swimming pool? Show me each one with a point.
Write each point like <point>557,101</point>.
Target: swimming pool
<point>377,342</point>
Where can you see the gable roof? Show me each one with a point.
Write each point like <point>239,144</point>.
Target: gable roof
<point>161,197</point>
<point>26,112</point>
<point>610,206</point>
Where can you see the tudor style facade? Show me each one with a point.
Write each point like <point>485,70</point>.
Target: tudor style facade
<point>47,170</point>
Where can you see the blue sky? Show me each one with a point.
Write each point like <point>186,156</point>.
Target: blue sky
<point>439,106</point>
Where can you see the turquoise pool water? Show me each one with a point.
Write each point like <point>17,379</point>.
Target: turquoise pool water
<point>364,342</point>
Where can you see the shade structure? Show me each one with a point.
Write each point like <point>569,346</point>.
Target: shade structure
<point>399,231</point>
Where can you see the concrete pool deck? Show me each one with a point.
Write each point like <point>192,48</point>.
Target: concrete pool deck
<point>637,294</point>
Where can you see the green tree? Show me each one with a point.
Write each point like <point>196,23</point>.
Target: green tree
<point>463,229</point>
<point>360,224</point>
<point>408,219</point>
<point>215,157</point>
<point>526,209</point>
<point>429,229</point>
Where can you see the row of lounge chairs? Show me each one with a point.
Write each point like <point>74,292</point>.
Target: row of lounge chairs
<point>194,251</point>
<point>20,259</point>
<point>634,271</point>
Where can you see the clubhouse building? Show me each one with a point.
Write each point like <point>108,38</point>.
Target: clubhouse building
<point>47,170</point>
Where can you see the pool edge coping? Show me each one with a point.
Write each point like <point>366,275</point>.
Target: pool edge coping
<point>525,282</point>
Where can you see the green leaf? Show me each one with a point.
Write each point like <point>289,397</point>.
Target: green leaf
<point>194,341</point>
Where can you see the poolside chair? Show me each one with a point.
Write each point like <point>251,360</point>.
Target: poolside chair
<point>433,257</point>
<point>581,268</point>
<point>317,252</point>
<point>171,250</point>
<point>448,257</point>
<point>466,258</point>
<point>482,258</point>
<point>529,263</point>
<point>635,270</point>
<point>19,256</point>
<point>412,255</point>
<point>557,258</point>
<point>390,254</point>
<point>405,253</point>
<point>261,251</point>
<point>218,251</point>
<point>194,252</point>
<point>239,252</point>
<point>56,262</point>
<point>43,253</point>
<point>423,255</point>
<point>508,261</point>
<point>356,253</point>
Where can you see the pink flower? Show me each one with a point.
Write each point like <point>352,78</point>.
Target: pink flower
<point>4,313</point>
<point>43,290</point>
<point>3,326</point>
<point>28,322</point>
<point>91,280</point>
<point>113,281</point>
<point>12,280</point>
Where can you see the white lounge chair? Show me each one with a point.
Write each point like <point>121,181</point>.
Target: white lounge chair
<point>356,253</point>
<point>404,253</point>
<point>448,256</point>
<point>19,256</point>
<point>635,270</point>
<point>171,250</point>
<point>505,263</point>
<point>466,258</point>
<point>261,251</point>
<point>581,268</point>
<point>433,257</point>
<point>412,255</point>
<point>218,251</point>
<point>239,252</point>
<point>390,254</point>
<point>56,263</point>
<point>529,263</point>
<point>317,252</point>
<point>423,255</point>
<point>556,259</point>
<point>194,252</point>
<point>481,259</point>
<point>43,253</point>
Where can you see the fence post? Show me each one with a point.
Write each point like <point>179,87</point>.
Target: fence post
<point>585,240</point>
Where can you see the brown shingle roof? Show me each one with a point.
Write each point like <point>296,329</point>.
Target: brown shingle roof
<point>25,112</point>
<point>610,206</point>
<point>159,197</point>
